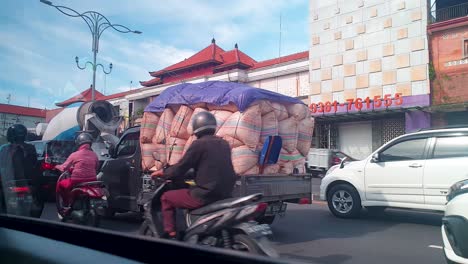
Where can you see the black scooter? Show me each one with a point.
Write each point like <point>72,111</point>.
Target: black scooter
<point>224,224</point>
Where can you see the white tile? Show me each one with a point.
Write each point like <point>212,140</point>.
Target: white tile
<point>348,31</point>
<point>373,26</point>
<point>388,63</point>
<point>375,38</point>
<point>350,82</point>
<point>349,57</point>
<point>402,46</point>
<point>359,42</point>
<point>360,68</point>
<point>341,45</point>
<point>375,78</point>
<point>414,29</point>
<point>401,18</point>
<point>404,75</point>
<point>418,57</point>
<point>338,96</point>
<point>337,72</point>
<point>420,87</point>
<point>389,89</point>
<point>315,98</point>
<point>410,4</point>
<point>315,76</point>
<point>326,61</point>
<point>374,52</point>
<point>326,86</point>
<point>362,93</point>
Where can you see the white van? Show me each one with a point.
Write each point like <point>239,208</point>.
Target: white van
<point>412,171</point>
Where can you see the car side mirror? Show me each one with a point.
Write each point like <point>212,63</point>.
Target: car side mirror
<point>375,158</point>
<point>342,163</point>
<point>111,151</point>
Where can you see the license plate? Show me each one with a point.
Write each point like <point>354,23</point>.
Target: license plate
<point>276,208</point>
<point>259,230</point>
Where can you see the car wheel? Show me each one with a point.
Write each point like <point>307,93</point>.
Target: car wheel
<point>344,201</point>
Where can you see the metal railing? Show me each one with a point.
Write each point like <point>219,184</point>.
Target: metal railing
<point>448,13</point>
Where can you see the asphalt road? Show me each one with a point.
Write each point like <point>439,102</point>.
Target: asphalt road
<point>309,233</point>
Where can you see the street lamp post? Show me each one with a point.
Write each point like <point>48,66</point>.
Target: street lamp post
<point>97,24</point>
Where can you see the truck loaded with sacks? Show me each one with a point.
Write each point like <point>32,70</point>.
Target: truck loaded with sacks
<point>247,117</point>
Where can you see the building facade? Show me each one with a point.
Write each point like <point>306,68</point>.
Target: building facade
<point>368,72</point>
<point>13,114</point>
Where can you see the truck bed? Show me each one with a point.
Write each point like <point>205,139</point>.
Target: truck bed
<point>279,187</point>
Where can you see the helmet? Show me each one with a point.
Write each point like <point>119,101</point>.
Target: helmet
<point>17,133</point>
<point>83,138</point>
<point>204,123</point>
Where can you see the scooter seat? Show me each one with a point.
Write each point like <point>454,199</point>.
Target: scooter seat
<point>92,183</point>
<point>226,203</point>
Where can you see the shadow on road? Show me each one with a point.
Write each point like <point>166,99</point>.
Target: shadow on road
<point>330,259</point>
<point>316,222</point>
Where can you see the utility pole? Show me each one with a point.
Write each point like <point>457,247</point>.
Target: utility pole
<point>8,98</point>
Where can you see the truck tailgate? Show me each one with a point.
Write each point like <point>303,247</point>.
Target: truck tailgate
<point>276,187</point>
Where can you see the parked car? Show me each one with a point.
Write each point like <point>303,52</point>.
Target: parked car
<point>455,224</point>
<point>320,160</point>
<point>412,171</point>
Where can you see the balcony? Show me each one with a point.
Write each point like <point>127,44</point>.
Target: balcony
<point>447,13</point>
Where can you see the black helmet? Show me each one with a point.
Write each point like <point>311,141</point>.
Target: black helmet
<point>83,138</point>
<point>17,133</point>
<point>204,123</point>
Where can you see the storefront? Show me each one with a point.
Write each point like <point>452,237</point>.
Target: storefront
<point>358,129</point>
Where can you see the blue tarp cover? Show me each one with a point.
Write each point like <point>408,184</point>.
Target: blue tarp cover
<point>217,93</point>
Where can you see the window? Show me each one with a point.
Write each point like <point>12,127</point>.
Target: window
<point>128,145</point>
<point>450,147</point>
<point>406,150</point>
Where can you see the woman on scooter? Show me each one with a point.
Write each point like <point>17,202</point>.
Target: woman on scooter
<point>84,163</point>
<point>210,157</point>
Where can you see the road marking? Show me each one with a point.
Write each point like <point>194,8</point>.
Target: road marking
<point>434,246</point>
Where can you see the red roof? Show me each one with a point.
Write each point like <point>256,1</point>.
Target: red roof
<point>52,113</point>
<point>82,97</point>
<point>117,95</point>
<point>236,57</point>
<point>292,57</point>
<point>151,82</point>
<point>210,54</point>
<point>22,111</point>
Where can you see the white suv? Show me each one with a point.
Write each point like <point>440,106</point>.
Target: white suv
<point>412,171</point>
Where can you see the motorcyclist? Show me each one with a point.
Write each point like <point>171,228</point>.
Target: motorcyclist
<point>18,160</point>
<point>210,157</point>
<point>84,165</point>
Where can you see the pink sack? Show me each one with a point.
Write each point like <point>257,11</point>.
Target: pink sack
<point>195,112</point>
<point>229,107</point>
<point>280,111</point>
<point>164,126</point>
<point>174,150</point>
<point>286,168</point>
<point>252,171</point>
<point>245,127</point>
<point>265,106</point>
<point>221,117</point>
<point>243,159</point>
<point>147,160</point>
<point>198,105</point>
<point>180,122</point>
<point>269,126</point>
<point>286,156</point>
<point>189,143</point>
<point>288,130</point>
<point>233,142</point>
<point>304,137</point>
<point>298,111</point>
<point>271,169</point>
<point>148,127</point>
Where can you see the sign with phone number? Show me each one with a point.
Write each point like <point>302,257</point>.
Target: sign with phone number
<point>358,103</point>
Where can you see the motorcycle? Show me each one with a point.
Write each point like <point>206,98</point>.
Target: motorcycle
<point>224,224</point>
<point>88,202</point>
<point>20,199</point>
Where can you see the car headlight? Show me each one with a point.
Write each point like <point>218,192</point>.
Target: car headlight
<point>331,169</point>
<point>457,189</point>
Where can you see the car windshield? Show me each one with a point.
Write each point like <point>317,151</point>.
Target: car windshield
<point>232,124</point>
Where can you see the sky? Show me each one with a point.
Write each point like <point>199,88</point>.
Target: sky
<point>39,44</point>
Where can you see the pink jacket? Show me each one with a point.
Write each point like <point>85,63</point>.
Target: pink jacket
<point>84,162</point>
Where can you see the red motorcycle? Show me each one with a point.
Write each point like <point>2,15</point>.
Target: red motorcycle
<point>88,202</point>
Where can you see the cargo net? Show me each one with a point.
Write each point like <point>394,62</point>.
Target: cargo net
<point>169,134</point>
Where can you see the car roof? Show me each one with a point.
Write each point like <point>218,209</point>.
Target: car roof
<point>436,132</point>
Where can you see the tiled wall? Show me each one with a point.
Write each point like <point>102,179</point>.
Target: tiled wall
<point>360,49</point>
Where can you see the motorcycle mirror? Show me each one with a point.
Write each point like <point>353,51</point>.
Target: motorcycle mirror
<point>111,150</point>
